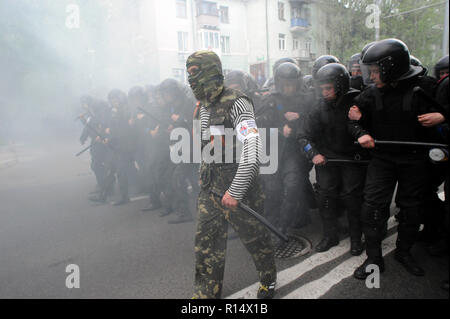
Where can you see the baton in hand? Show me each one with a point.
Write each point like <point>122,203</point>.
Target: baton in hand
<point>403,143</point>
<point>264,221</point>
<point>84,150</point>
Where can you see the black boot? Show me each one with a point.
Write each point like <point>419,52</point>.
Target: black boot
<point>356,247</point>
<point>100,198</point>
<point>329,224</point>
<point>361,271</point>
<point>407,260</point>
<point>123,201</point>
<point>326,243</point>
<point>165,212</point>
<point>151,206</point>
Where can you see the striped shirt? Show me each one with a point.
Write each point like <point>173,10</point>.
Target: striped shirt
<point>248,169</point>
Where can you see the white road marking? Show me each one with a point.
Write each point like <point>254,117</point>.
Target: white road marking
<point>136,198</point>
<point>288,275</point>
<point>133,199</point>
<point>317,288</point>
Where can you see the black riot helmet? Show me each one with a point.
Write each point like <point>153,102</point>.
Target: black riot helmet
<point>288,79</point>
<point>366,47</point>
<point>170,90</point>
<point>441,65</point>
<point>117,98</point>
<point>241,81</point>
<point>136,96</point>
<point>416,62</point>
<point>392,57</point>
<point>118,102</point>
<point>321,61</point>
<point>336,74</point>
<point>170,85</point>
<point>308,82</point>
<point>365,71</point>
<point>281,61</point>
<point>354,63</point>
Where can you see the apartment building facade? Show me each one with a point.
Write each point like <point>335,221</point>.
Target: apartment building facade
<point>248,35</point>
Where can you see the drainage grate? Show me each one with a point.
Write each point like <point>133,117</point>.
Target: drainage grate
<point>296,246</point>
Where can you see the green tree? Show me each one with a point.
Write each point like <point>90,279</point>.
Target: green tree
<point>418,23</point>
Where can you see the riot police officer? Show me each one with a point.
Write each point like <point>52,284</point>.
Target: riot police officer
<point>284,109</point>
<point>392,111</point>
<point>137,100</point>
<point>244,82</point>
<point>441,68</point>
<point>321,61</point>
<point>123,142</point>
<point>270,84</point>
<point>179,104</point>
<point>95,121</point>
<point>356,79</point>
<point>325,136</point>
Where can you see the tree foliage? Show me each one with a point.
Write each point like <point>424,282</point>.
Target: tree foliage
<point>418,23</point>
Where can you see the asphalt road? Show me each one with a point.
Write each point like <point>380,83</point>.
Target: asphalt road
<point>47,223</point>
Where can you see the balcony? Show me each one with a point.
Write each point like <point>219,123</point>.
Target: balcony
<point>207,15</point>
<point>302,54</point>
<point>299,25</point>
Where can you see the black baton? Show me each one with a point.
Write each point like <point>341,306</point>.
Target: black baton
<point>402,143</point>
<point>340,160</point>
<point>84,150</point>
<point>258,217</point>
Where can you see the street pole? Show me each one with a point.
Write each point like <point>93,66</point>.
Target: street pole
<point>267,42</point>
<point>445,39</point>
<point>377,23</point>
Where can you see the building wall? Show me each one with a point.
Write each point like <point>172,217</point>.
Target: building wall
<point>246,31</point>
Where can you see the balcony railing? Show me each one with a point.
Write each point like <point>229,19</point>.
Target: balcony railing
<point>299,25</point>
<point>299,22</point>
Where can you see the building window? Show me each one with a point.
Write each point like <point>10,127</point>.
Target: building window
<point>181,9</point>
<point>282,41</point>
<point>207,8</point>
<point>209,39</point>
<point>295,44</point>
<point>308,45</point>
<point>281,11</point>
<point>225,44</point>
<point>224,15</point>
<point>182,41</point>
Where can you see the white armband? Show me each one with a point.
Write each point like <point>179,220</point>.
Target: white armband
<point>246,129</point>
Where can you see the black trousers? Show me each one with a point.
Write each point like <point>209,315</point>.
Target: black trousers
<point>344,182</point>
<point>98,157</point>
<point>412,176</point>
<point>126,172</point>
<point>286,192</point>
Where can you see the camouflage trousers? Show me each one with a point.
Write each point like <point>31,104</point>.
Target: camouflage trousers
<point>211,243</point>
